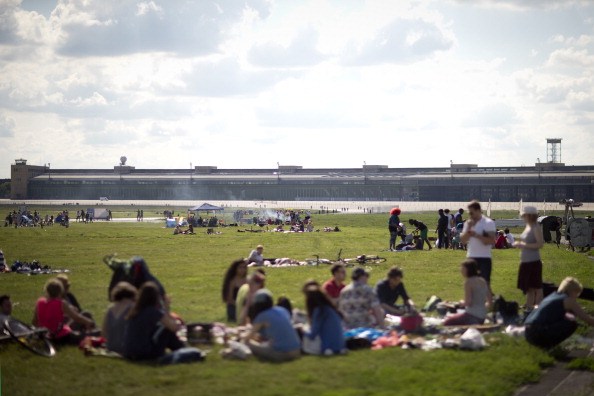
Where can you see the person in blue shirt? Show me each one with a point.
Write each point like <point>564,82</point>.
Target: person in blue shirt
<point>325,321</point>
<point>549,324</point>
<point>272,336</point>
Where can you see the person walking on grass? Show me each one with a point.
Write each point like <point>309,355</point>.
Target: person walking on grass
<point>479,235</point>
<point>530,243</point>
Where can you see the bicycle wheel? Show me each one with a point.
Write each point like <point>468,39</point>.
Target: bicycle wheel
<point>34,340</point>
<point>375,260</point>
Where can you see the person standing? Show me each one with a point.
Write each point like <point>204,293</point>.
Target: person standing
<point>459,217</point>
<point>442,229</point>
<point>530,243</point>
<point>393,227</point>
<point>479,235</point>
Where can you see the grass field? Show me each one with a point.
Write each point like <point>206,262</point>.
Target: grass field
<point>191,268</point>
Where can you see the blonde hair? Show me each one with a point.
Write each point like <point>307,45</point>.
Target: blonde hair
<point>569,285</point>
<point>54,288</point>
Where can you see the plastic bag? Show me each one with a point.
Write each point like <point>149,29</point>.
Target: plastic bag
<point>472,339</point>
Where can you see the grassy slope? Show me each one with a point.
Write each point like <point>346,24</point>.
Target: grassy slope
<point>191,269</point>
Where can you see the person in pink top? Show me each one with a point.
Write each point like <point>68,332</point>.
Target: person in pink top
<point>334,285</point>
<point>53,313</point>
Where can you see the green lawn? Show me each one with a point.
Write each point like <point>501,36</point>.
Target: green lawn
<point>191,268</point>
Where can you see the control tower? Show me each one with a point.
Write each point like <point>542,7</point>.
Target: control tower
<point>554,150</point>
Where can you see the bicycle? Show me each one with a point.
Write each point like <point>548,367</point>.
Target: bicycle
<point>34,339</point>
<point>348,262</point>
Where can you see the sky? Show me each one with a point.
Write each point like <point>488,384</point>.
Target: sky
<point>322,83</point>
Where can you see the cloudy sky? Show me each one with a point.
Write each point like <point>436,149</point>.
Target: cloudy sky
<point>320,83</point>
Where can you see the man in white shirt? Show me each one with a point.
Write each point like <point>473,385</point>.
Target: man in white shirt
<point>479,234</point>
<point>509,238</point>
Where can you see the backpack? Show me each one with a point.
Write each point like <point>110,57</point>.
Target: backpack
<point>509,310</point>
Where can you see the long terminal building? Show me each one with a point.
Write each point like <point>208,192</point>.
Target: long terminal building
<point>459,182</point>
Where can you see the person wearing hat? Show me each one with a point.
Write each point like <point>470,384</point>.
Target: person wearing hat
<point>530,243</point>
<point>393,227</point>
<point>272,336</point>
<point>359,303</point>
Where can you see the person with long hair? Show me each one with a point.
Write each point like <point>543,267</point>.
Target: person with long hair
<point>477,297</point>
<point>325,321</point>
<point>272,336</point>
<point>150,329</point>
<point>235,277</point>
<point>530,273</point>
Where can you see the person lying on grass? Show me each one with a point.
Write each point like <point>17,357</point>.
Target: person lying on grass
<point>477,297</point>
<point>554,319</point>
<point>53,313</point>
<point>272,336</point>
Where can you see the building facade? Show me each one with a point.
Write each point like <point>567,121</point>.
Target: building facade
<point>459,182</point>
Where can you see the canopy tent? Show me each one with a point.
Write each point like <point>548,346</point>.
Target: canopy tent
<point>206,207</point>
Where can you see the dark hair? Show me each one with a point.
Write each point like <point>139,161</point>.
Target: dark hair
<point>229,275</point>
<point>471,267</point>
<point>395,272</point>
<point>315,298</point>
<point>506,230</point>
<point>148,296</point>
<point>335,268</point>
<point>123,290</point>
<point>474,204</point>
<point>3,298</point>
<point>440,211</point>
<point>285,303</point>
<point>460,210</point>
<point>259,306</point>
<point>411,221</point>
<point>446,211</point>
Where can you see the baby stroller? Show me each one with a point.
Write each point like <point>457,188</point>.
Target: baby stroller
<point>456,241</point>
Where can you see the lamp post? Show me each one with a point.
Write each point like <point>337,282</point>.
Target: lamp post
<point>49,172</point>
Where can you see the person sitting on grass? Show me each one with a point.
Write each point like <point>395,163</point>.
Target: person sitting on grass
<point>123,296</point>
<point>325,322</point>
<point>151,331</point>
<point>554,319</point>
<point>71,299</point>
<point>501,241</point>
<point>477,297</point>
<point>235,277</point>
<point>334,285</point>
<point>245,294</point>
<point>5,308</point>
<point>359,303</point>
<point>388,290</point>
<point>53,313</point>
<point>272,336</point>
